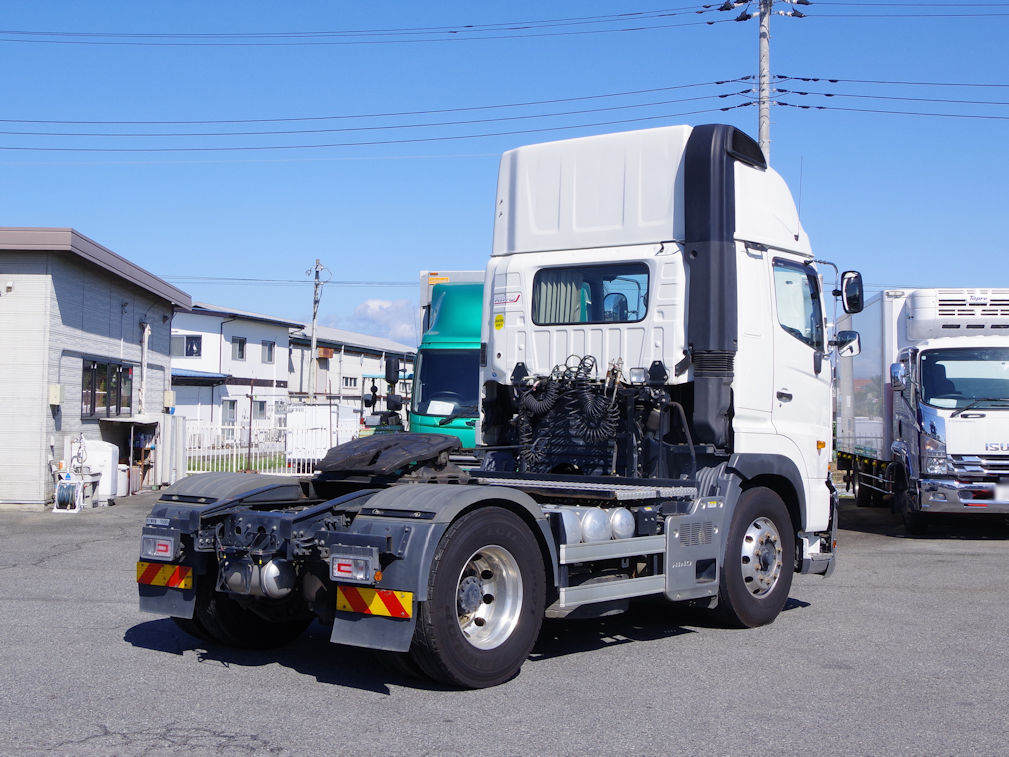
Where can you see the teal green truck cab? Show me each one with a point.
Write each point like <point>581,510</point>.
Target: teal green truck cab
<point>446,379</point>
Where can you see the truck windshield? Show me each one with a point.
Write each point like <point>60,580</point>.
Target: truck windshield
<point>966,376</point>
<point>447,383</point>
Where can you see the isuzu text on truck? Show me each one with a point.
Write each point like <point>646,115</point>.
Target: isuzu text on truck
<point>923,411</point>
<point>655,420</point>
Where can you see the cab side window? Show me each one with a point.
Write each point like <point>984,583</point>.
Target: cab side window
<point>797,293</point>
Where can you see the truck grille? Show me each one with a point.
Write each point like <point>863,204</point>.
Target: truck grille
<point>974,466</point>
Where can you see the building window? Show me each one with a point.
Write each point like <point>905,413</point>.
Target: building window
<point>259,410</point>
<point>106,389</point>
<point>350,382</point>
<point>187,345</point>
<point>268,349</point>
<point>238,348</point>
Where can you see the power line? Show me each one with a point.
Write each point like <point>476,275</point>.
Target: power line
<point>888,97</point>
<point>916,5</point>
<point>446,29</point>
<point>455,37</point>
<point>390,114</point>
<point>434,111</point>
<point>834,80</point>
<point>893,112</point>
<point>372,128</point>
<point>245,281</point>
<point>414,140</point>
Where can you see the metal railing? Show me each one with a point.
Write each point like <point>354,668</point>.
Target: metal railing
<point>263,448</point>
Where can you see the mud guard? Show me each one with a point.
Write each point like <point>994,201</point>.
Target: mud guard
<point>424,512</point>
<point>178,603</point>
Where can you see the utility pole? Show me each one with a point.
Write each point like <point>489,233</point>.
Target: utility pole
<point>764,78</point>
<point>764,62</point>
<point>315,315</point>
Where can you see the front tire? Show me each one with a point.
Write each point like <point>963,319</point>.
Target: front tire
<point>915,522</point>
<point>759,556</point>
<point>485,600</point>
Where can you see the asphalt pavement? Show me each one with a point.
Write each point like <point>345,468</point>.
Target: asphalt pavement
<point>901,651</point>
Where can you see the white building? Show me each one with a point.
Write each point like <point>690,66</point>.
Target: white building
<point>84,341</point>
<point>348,364</point>
<point>241,380</point>
<point>229,366</point>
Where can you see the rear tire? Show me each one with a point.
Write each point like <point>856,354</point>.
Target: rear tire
<point>193,627</point>
<point>229,623</point>
<point>759,557</point>
<point>864,496</point>
<point>485,601</point>
<point>401,664</point>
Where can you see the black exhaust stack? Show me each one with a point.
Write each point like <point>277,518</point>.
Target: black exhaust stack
<point>709,230</point>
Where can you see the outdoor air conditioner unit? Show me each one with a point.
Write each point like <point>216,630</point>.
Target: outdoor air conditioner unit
<point>326,352</point>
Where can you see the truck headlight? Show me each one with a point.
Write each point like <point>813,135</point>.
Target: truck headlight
<point>933,456</point>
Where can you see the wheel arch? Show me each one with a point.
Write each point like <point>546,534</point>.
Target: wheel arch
<point>449,502</point>
<point>777,473</point>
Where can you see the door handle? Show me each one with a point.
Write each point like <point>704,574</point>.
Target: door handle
<point>784,396</point>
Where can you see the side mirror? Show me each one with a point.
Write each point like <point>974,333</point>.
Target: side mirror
<point>615,307</point>
<point>898,376</point>
<point>848,343</point>
<point>392,370</point>
<point>852,297</point>
<point>394,402</point>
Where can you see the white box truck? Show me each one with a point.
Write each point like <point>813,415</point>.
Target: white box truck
<point>923,410</point>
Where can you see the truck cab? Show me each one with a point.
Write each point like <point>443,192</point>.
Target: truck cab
<point>951,407</point>
<point>447,369</point>
<point>712,315</point>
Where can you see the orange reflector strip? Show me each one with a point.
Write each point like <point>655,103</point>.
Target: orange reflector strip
<point>392,604</point>
<point>162,574</point>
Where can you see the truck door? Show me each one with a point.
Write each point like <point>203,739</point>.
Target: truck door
<point>801,408</point>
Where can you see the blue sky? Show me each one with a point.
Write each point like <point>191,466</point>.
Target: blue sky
<point>910,200</point>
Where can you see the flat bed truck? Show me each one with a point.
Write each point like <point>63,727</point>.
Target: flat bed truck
<point>655,421</point>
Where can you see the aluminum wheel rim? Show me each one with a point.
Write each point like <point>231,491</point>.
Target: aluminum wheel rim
<point>761,557</point>
<point>489,597</point>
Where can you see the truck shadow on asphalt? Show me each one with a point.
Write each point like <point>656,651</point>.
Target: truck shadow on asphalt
<point>646,620</point>
<point>312,654</point>
<point>882,522</point>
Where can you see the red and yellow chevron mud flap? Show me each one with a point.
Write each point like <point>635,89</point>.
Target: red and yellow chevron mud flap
<point>164,574</point>
<point>360,599</point>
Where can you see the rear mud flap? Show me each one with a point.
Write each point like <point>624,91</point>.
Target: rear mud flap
<point>693,552</point>
<point>179,603</point>
<point>373,631</point>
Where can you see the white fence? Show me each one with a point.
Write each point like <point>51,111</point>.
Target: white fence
<point>265,448</point>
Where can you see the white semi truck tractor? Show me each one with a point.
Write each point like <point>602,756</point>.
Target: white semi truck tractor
<point>923,410</point>
<point>655,420</point>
